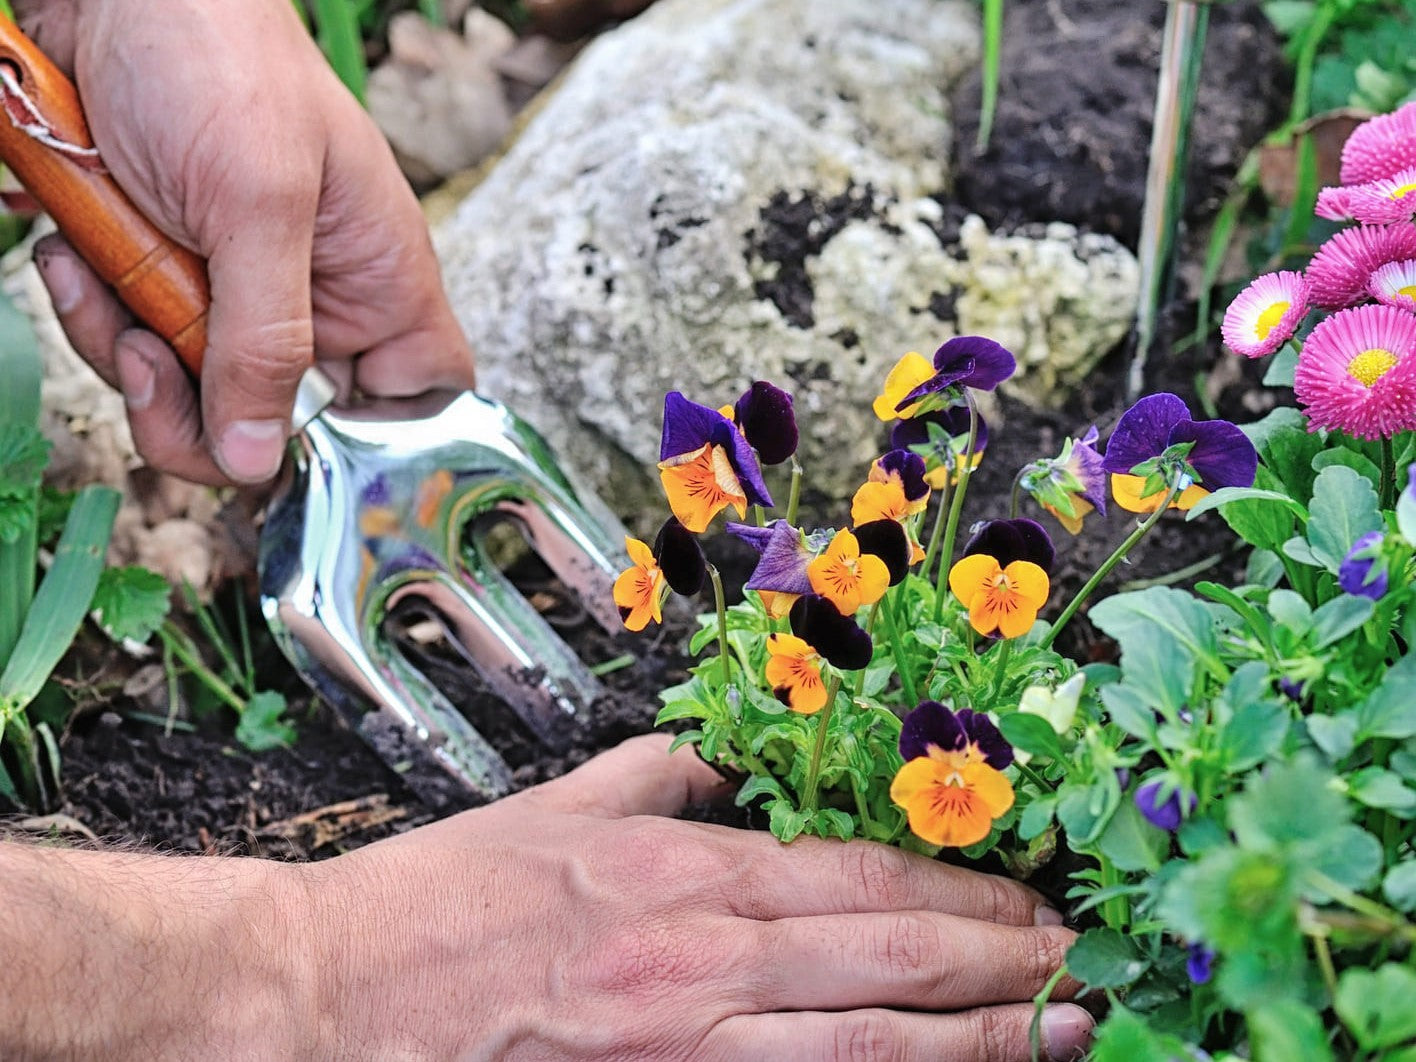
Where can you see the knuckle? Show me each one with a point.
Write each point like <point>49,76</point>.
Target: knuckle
<point>883,873</point>
<point>996,1035</point>
<point>867,1036</point>
<point>1045,950</point>
<point>1001,901</point>
<point>910,946</point>
<point>644,961</point>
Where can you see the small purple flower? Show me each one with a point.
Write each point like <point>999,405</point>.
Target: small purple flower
<point>680,558</point>
<point>1292,689</point>
<point>819,623</point>
<point>765,415</point>
<point>931,724</point>
<point>1164,813</point>
<point>1199,963</point>
<point>965,361</point>
<point>785,553</point>
<point>1221,456</point>
<point>1007,541</point>
<point>688,427</point>
<point>1363,572</point>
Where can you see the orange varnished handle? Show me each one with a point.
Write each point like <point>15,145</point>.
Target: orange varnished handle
<point>164,284</point>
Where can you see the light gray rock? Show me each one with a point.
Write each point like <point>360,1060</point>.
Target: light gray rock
<point>729,190</point>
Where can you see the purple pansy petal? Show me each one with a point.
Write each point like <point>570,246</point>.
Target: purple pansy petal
<point>680,558</point>
<point>754,536</point>
<point>1007,541</point>
<point>909,466</point>
<point>1165,814</point>
<point>836,637</point>
<point>954,421</point>
<point>938,382</point>
<point>931,724</point>
<point>996,751</point>
<point>1222,455</point>
<point>1356,572</point>
<point>989,363</point>
<point>887,540</point>
<point>1199,963</point>
<point>766,417</point>
<point>782,566</point>
<point>1143,431</point>
<point>1292,689</point>
<point>689,426</point>
<point>1089,468</point>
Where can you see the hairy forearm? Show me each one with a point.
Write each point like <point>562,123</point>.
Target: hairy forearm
<point>119,956</point>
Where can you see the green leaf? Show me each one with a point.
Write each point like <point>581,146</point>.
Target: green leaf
<point>1037,817</point>
<point>131,602</point>
<point>785,821</point>
<point>1253,735</point>
<point>1344,508</point>
<point>260,728</point>
<point>20,367</point>
<point>1336,619</point>
<point>688,737</point>
<point>1297,548</point>
<point>756,786</point>
<point>1289,803</point>
<point>1353,460</point>
<point>1291,611</point>
<point>1376,1005</point>
<point>23,454</point>
<point>1084,810</point>
<point>833,822</point>
<point>680,710</point>
<point>1130,842</point>
<point>1229,495</point>
<point>1390,710</point>
<point>1125,1037</point>
<point>1377,787</point>
<point>1336,735</point>
<point>1406,514</point>
<point>1285,1031</point>
<point>1031,733</point>
<point>1103,958</point>
<point>1351,857</point>
<point>1163,633</point>
<point>1399,886</point>
<point>1288,449</point>
<point>1281,367</point>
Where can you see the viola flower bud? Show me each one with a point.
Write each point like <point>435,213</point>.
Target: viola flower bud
<point>680,558</point>
<point>1380,146</point>
<point>965,361</point>
<point>1070,485</point>
<point>1156,447</point>
<point>1059,706</point>
<point>706,464</point>
<point>1164,812</point>
<point>1265,315</point>
<point>766,417</point>
<point>819,623</point>
<point>1357,373</point>
<point>1337,274</point>
<point>1199,963</point>
<point>1363,572</point>
<point>951,785</point>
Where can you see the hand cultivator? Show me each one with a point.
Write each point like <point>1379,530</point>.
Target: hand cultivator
<point>381,502</point>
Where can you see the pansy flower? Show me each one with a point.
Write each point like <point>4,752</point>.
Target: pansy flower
<point>794,673</point>
<point>885,501</point>
<point>1156,447</point>
<point>1394,284</point>
<point>1380,147</point>
<point>680,558</point>
<point>1070,485</point>
<point>888,540</point>
<point>1164,804</point>
<point>1199,963</point>
<point>1333,205</point>
<point>847,577</point>
<point>639,591</point>
<point>1337,274</point>
<point>1265,315</point>
<point>706,464</point>
<point>1386,200</point>
<point>906,374</point>
<point>1004,589</point>
<point>952,785</point>
<point>784,552</point>
<point>940,437</point>
<point>839,639</point>
<point>765,415</point>
<point>1363,572</point>
<point>906,468</point>
<point>1357,372</point>
<point>965,361</point>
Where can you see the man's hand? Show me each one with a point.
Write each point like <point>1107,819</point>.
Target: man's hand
<point>226,127</point>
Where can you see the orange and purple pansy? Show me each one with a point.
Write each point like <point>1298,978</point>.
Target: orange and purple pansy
<point>906,468</point>
<point>784,552</point>
<point>794,673</point>
<point>889,499</point>
<point>706,464</point>
<point>675,563</point>
<point>952,784</point>
<point>1156,448</point>
<point>839,639</point>
<point>1002,577</point>
<point>847,577</point>
<point>964,361</point>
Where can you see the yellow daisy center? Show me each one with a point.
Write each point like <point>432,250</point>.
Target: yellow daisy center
<point>1268,320</point>
<point>1398,192</point>
<point>1409,291</point>
<point>1371,365</point>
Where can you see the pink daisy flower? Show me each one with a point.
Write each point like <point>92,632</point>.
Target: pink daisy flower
<point>1357,372</point>
<point>1380,147</point>
<point>1386,200</point>
<point>1394,284</point>
<point>1337,275</point>
<point>1333,203</point>
<point>1263,316</point>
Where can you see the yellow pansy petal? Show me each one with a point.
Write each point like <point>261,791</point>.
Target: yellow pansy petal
<point>874,578</point>
<point>1189,497</point>
<point>639,552</point>
<point>1029,582</point>
<point>972,575</point>
<point>908,373</point>
<point>992,787</point>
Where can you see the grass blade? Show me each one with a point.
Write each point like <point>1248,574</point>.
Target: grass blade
<point>992,65</point>
<point>1225,224</point>
<point>62,600</point>
<point>337,30</point>
<point>20,371</point>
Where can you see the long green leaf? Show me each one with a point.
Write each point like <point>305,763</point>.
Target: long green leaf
<point>62,600</point>
<point>20,371</point>
<point>337,30</point>
<point>992,62</point>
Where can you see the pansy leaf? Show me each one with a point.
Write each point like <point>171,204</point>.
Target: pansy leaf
<point>1037,816</point>
<point>1084,810</point>
<point>1031,733</point>
<point>833,822</point>
<point>1287,1029</point>
<point>1128,710</point>
<point>1163,632</point>
<point>1352,857</point>
<point>1336,619</point>
<point>1291,610</point>
<point>1399,886</point>
<point>1282,366</point>
<point>1377,787</point>
<point>1376,1005</point>
<point>1344,508</point>
<point>759,785</point>
<point>1252,735</point>
<point>1297,548</point>
<point>1228,495</point>
<point>1336,735</point>
<point>1124,1037</point>
<point>1340,455</point>
<point>785,821</point>
<point>1130,842</point>
<point>1104,958</point>
<point>1390,710</point>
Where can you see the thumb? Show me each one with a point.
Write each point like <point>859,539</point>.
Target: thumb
<point>637,777</point>
<point>260,339</point>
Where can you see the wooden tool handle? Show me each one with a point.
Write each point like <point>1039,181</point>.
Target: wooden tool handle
<point>164,284</point>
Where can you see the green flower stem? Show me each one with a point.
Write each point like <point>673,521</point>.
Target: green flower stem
<point>1324,957</point>
<point>1116,911</point>
<point>1105,569</point>
<point>813,769</point>
<point>867,824</point>
<point>794,496</point>
<point>1000,672</point>
<point>1388,474</point>
<point>1015,498</point>
<point>936,534</point>
<point>1355,901</point>
<point>759,515</point>
<point>892,635</point>
<point>718,602</point>
<point>875,610</point>
<point>956,506</point>
<point>1035,778</point>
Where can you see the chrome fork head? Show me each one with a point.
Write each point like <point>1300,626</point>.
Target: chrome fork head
<point>390,502</point>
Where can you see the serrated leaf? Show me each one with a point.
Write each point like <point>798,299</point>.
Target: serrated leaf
<point>260,728</point>
<point>131,602</point>
<point>832,822</point>
<point>785,821</point>
<point>1103,958</point>
<point>1163,633</point>
<point>1344,508</point>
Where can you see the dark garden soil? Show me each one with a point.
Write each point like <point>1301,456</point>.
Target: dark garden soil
<point>1066,145</point>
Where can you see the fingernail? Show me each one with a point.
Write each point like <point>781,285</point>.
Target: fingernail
<point>61,277</point>
<point>1047,916</point>
<point>250,451</point>
<point>1066,1032</point>
<point>135,375</point>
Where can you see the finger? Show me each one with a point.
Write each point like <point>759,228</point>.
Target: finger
<point>812,876</point>
<point>50,24</point>
<point>260,337</point>
<point>989,1034</point>
<point>90,314</point>
<point>163,412</point>
<point>417,362</point>
<point>915,959</point>
<point>637,777</point>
